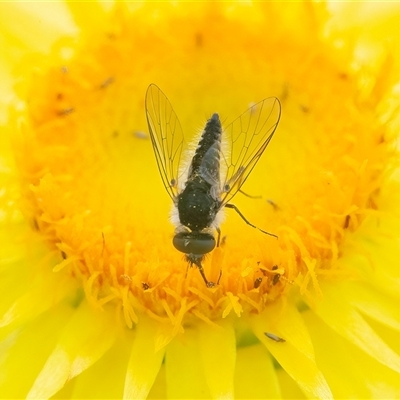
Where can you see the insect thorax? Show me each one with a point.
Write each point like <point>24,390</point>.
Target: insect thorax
<point>196,207</point>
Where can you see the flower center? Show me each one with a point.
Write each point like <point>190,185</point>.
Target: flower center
<point>93,193</point>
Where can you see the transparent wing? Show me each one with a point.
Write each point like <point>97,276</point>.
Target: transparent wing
<point>166,137</point>
<point>248,136</point>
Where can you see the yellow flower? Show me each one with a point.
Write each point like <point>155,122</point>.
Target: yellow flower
<point>96,302</point>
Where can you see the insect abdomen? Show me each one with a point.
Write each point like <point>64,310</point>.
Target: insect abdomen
<point>208,148</point>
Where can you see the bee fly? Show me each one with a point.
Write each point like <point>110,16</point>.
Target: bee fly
<point>203,187</point>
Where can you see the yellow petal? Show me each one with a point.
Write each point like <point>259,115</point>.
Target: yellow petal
<point>159,389</point>
<point>296,355</point>
<point>33,343</point>
<point>37,18</point>
<point>144,363</point>
<point>341,316</point>
<point>289,388</point>
<point>374,303</point>
<point>255,375</point>
<point>184,370</point>
<point>41,295</point>
<point>351,373</point>
<point>80,11</point>
<point>284,320</point>
<point>218,355</point>
<point>83,341</point>
<point>89,385</point>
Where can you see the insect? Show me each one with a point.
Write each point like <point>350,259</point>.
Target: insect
<point>257,283</point>
<point>276,277</point>
<point>203,185</point>
<point>274,337</point>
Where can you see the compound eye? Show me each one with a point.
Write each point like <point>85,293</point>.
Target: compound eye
<point>194,243</point>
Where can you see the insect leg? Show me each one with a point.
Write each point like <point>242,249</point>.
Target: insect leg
<point>219,278</point>
<point>249,195</point>
<point>219,235</point>
<point>248,222</point>
<point>200,267</point>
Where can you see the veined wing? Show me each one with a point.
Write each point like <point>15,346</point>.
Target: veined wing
<point>248,136</point>
<point>166,137</point>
